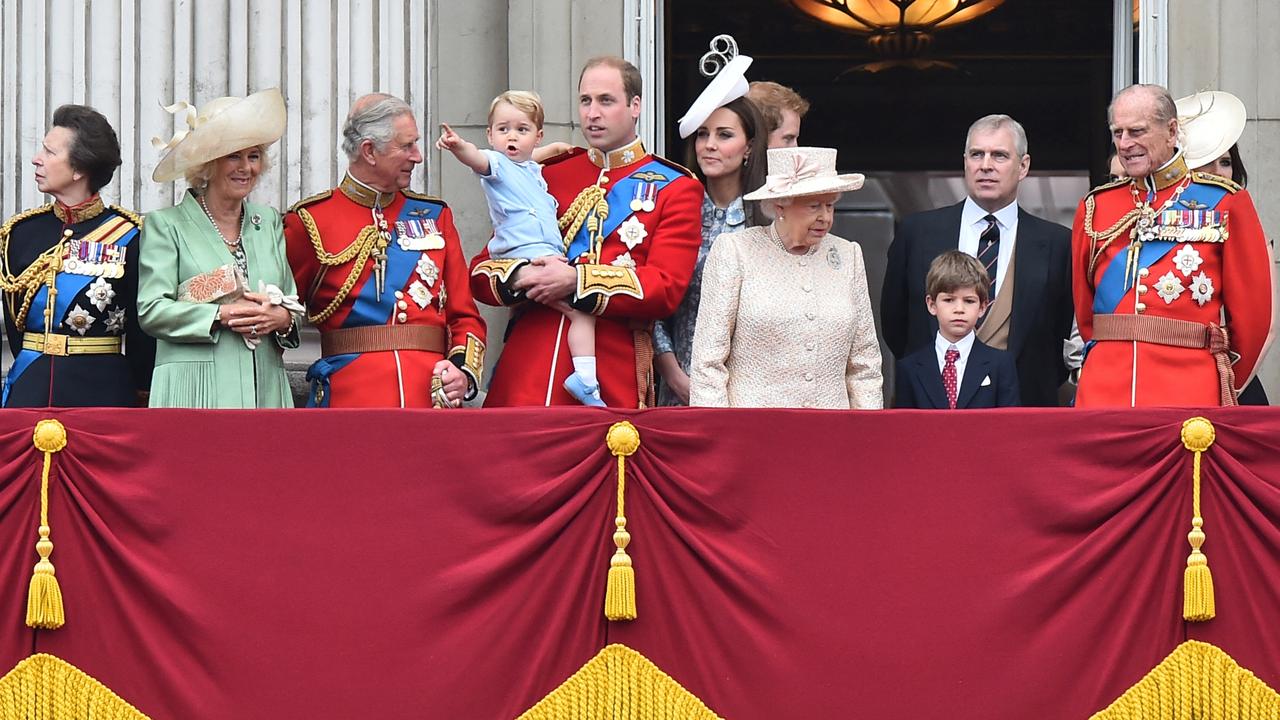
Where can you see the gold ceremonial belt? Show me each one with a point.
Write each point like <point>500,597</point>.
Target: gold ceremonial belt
<point>380,338</point>
<point>54,344</point>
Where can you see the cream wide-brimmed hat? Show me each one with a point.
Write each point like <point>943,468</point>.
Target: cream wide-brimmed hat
<point>220,128</point>
<point>728,85</point>
<point>1210,123</point>
<point>797,171</point>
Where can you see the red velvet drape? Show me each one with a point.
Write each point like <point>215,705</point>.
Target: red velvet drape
<point>334,564</point>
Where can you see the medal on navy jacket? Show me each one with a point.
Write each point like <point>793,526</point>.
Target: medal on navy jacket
<point>70,288</point>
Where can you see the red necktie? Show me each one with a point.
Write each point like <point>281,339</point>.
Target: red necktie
<point>949,375</point>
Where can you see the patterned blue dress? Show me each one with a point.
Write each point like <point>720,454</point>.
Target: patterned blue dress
<point>675,334</point>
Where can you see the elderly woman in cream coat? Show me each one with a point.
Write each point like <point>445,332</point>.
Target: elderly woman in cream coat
<point>224,350</point>
<point>785,318</point>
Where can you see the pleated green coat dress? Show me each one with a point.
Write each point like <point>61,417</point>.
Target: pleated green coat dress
<point>198,365</point>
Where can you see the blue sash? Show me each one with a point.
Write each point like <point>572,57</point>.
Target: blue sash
<point>320,372</point>
<point>368,309</point>
<point>1111,288</point>
<point>69,286</point>
<point>619,200</point>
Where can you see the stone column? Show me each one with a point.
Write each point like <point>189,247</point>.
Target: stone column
<point>483,47</point>
<point>1231,45</point>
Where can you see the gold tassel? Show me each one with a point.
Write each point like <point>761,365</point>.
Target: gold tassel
<point>1197,581</point>
<point>620,594</point>
<point>44,598</point>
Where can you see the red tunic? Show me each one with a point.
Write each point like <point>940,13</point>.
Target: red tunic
<point>637,277</point>
<point>388,378</point>
<point>1206,276</point>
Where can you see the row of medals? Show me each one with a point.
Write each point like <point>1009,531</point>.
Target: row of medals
<point>85,257</point>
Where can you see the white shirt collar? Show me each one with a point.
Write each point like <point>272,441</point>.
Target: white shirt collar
<point>1006,216</point>
<point>964,344</point>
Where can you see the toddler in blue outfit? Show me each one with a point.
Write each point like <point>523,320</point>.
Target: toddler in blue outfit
<point>524,213</point>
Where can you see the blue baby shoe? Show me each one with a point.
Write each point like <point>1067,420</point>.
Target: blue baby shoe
<point>585,395</point>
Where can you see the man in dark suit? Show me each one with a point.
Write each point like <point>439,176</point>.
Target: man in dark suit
<point>1029,260</point>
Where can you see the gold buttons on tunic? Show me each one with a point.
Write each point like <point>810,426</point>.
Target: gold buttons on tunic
<point>399,295</point>
<point>402,305</point>
<point>1142,289</point>
<point>1141,307</point>
<point>402,317</point>
<point>1144,272</point>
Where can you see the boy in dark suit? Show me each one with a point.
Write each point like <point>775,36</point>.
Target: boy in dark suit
<point>957,370</point>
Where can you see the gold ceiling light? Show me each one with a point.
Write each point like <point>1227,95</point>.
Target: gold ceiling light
<point>897,28</point>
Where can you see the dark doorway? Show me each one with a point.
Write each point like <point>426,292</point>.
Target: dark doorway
<point>1047,63</point>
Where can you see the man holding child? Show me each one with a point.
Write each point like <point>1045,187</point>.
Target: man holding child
<point>630,224</point>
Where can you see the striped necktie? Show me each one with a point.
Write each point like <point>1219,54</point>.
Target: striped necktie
<point>989,250</point>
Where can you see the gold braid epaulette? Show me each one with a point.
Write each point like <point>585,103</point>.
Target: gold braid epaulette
<point>129,215</point>
<point>1106,237</point>
<point>6,277</point>
<point>422,196</point>
<point>38,273</point>
<point>590,199</point>
<point>360,249</point>
<point>323,195</point>
<point>1227,184</point>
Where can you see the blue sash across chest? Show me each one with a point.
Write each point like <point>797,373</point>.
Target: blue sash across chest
<point>368,308</point>
<point>619,200</point>
<point>1112,286</point>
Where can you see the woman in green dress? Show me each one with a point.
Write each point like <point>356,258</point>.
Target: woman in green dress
<point>214,351</point>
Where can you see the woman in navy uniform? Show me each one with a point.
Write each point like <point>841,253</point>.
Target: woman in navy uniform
<point>70,278</point>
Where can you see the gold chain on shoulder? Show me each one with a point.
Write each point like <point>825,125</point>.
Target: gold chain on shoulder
<point>324,256</point>
<point>359,250</point>
<point>42,271</point>
<point>364,244</point>
<point>1106,237</point>
<point>590,199</point>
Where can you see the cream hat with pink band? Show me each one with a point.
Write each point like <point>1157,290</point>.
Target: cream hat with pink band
<point>798,171</point>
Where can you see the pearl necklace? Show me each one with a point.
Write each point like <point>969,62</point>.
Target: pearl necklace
<point>229,243</point>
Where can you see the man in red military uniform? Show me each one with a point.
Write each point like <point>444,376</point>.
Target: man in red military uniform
<point>1172,272</point>
<point>632,228</point>
<point>384,277</point>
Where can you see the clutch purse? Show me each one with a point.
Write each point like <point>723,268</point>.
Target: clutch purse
<point>221,285</point>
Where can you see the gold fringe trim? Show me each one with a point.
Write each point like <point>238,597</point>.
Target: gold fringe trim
<point>1197,581</point>
<point>1197,680</point>
<point>619,684</point>
<point>45,687</point>
<point>620,593</point>
<point>44,596</point>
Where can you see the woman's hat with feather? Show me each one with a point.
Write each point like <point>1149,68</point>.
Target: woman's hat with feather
<point>221,127</point>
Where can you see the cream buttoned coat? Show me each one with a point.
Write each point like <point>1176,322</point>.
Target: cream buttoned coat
<point>781,330</point>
